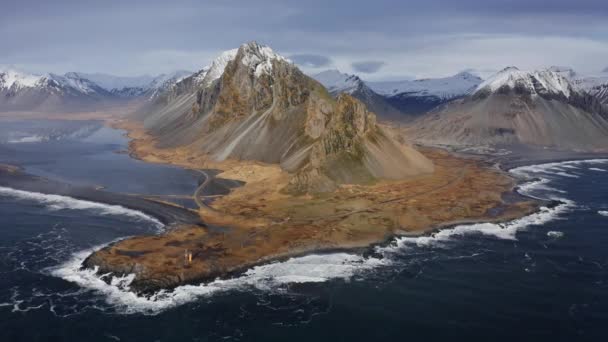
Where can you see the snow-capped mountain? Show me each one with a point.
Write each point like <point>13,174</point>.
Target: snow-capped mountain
<point>542,108</point>
<point>130,87</point>
<point>544,83</point>
<point>596,85</point>
<point>15,81</point>
<point>422,95</point>
<point>25,91</point>
<point>337,82</point>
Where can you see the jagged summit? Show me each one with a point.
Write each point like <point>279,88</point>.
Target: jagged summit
<point>262,107</point>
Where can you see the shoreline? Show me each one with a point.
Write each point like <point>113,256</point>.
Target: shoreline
<point>192,222</point>
<point>242,249</point>
<point>13,177</point>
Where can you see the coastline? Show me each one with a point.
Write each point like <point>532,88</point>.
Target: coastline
<point>123,257</point>
<point>254,240</point>
<point>13,177</point>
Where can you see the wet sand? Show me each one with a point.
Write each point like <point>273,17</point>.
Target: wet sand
<point>13,177</point>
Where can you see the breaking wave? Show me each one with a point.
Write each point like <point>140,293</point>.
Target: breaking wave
<point>321,268</point>
<point>306,269</point>
<point>603,212</point>
<point>27,139</point>
<point>59,202</point>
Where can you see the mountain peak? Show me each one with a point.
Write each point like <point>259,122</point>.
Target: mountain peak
<point>545,82</point>
<point>258,57</point>
<point>18,79</point>
<point>338,82</point>
<point>218,65</point>
<point>567,72</point>
<point>509,69</point>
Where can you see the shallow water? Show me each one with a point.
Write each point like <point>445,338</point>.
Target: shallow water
<point>542,277</point>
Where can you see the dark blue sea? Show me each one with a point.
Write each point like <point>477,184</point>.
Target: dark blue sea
<point>540,278</point>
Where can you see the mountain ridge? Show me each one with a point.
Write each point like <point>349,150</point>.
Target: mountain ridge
<point>540,108</point>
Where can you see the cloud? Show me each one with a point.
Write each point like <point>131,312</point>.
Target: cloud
<point>311,61</point>
<point>417,38</point>
<point>368,67</point>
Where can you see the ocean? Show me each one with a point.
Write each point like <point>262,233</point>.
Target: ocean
<point>543,277</point>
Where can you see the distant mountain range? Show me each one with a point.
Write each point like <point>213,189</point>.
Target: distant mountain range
<point>21,91</point>
<point>337,83</point>
<point>555,107</point>
<point>401,100</point>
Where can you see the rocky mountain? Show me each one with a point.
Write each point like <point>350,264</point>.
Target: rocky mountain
<point>253,104</point>
<point>337,83</point>
<point>422,95</point>
<point>21,91</point>
<point>541,108</point>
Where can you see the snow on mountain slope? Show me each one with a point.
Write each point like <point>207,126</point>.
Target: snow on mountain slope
<point>12,78</point>
<point>595,84</point>
<point>544,82</point>
<point>513,107</point>
<point>337,82</point>
<point>73,83</point>
<point>217,66</point>
<point>110,82</point>
<point>20,91</point>
<point>446,88</point>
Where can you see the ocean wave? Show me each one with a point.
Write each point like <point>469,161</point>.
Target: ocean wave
<point>597,169</point>
<point>554,168</point>
<point>28,139</point>
<point>603,212</point>
<point>306,269</point>
<point>59,202</point>
<point>504,231</point>
<point>555,234</point>
<point>311,268</point>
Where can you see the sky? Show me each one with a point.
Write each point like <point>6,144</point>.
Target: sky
<point>378,40</point>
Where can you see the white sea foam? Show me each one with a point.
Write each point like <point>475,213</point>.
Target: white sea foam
<point>58,202</point>
<point>552,167</point>
<point>603,212</point>
<point>597,169</point>
<point>555,234</point>
<point>506,230</point>
<point>307,269</point>
<point>312,268</point>
<point>28,139</point>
